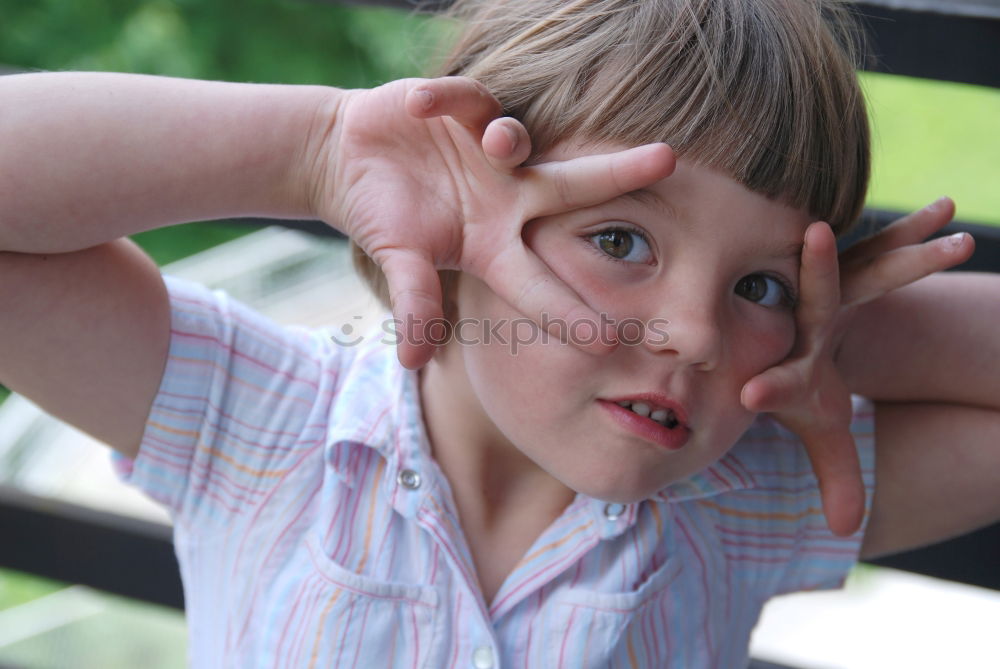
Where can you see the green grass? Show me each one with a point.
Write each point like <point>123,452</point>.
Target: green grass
<point>18,588</point>
<point>166,245</point>
<point>935,138</point>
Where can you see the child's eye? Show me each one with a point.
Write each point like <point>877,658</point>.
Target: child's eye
<point>623,244</point>
<point>765,290</point>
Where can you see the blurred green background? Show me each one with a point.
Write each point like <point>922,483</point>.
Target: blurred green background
<point>931,138</point>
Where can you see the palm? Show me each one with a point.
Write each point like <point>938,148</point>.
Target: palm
<point>420,191</point>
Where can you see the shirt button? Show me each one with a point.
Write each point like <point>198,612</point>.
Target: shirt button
<point>613,511</point>
<point>409,479</point>
<point>482,658</point>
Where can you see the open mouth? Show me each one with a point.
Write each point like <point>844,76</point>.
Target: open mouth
<point>664,416</point>
<point>650,420</point>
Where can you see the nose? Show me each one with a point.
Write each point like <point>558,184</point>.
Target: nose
<point>689,332</point>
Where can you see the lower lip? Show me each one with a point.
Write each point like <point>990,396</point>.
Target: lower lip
<point>646,428</point>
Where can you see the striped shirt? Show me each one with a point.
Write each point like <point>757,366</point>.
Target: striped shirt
<point>313,528</point>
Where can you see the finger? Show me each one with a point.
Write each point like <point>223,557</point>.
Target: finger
<point>465,100</point>
<point>909,229</point>
<point>506,143</point>
<point>819,281</point>
<point>518,276</point>
<point>563,186</point>
<point>774,389</point>
<point>834,460</point>
<point>415,292</point>
<point>903,266</point>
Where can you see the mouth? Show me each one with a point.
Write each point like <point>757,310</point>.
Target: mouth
<point>653,418</point>
<point>665,416</point>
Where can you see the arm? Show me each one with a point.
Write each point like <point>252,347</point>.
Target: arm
<point>90,157</point>
<point>929,353</point>
<point>937,340</point>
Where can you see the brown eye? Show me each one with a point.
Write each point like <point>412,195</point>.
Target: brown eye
<point>616,243</point>
<point>764,290</point>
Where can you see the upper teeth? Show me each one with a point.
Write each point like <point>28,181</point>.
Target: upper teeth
<point>665,417</point>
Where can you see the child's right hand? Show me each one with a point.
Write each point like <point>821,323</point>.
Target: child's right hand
<point>423,175</point>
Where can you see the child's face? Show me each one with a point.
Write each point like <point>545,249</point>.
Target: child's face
<point>696,256</point>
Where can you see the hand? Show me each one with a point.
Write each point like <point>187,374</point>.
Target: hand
<point>806,392</point>
<point>422,175</point>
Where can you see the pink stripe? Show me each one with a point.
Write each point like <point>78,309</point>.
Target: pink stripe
<point>725,462</point>
<point>237,354</point>
<point>280,537</point>
<point>201,399</point>
<point>562,649</point>
<point>296,601</point>
<point>345,623</point>
<point>470,580</point>
<point>573,553</point>
<point>243,323</point>
<point>352,516</point>
<point>705,590</point>
<point>416,636</point>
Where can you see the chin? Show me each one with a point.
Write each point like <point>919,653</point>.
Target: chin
<point>619,490</point>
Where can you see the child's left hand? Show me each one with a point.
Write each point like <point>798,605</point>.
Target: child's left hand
<point>806,392</point>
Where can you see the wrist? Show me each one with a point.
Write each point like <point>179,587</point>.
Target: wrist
<point>313,172</point>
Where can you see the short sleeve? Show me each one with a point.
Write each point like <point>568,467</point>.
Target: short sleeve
<point>774,533</point>
<point>241,400</point>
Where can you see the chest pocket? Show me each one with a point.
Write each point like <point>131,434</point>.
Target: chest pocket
<point>334,617</point>
<point>612,629</point>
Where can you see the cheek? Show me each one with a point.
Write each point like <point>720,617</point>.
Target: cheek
<point>519,375</point>
<point>765,342</point>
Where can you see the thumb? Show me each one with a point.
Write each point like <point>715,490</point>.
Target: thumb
<point>773,389</point>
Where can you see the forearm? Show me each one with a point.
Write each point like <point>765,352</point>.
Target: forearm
<point>90,157</point>
<point>937,340</point>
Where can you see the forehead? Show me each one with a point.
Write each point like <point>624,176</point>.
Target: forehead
<point>699,199</point>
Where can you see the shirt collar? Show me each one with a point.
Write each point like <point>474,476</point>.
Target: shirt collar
<point>377,406</point>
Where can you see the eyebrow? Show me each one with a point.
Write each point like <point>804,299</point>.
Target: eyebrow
<point>793,250</point>
<point>648,198</point>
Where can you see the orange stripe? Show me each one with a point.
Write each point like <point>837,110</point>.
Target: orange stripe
<point>632,660</point>
<point>554,544</point>
<point>319,628</point>
<point>238,380</point>
<point>655,510</point>
<point>264,473</point>
<point>791,517</point>
<point>371,513</point>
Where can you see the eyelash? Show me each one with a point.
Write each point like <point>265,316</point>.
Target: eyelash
<point>789,300</point>
<point>592,242</point>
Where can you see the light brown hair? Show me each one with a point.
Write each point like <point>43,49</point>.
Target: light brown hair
<point>762,90</point>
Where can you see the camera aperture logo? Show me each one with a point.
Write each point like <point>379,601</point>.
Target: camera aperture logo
<point>514,333</point>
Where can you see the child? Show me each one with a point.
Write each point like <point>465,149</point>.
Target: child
<point>619,505</point>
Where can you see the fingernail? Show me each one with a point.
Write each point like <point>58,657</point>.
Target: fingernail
<point>955,240</point>
<point>511,138</point>
<point>426,98</point>
<point>938,203</point>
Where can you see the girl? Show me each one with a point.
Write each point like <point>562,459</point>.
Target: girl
<point>573,503</point>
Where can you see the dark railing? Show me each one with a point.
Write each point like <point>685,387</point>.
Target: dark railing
<point>951,40</point>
